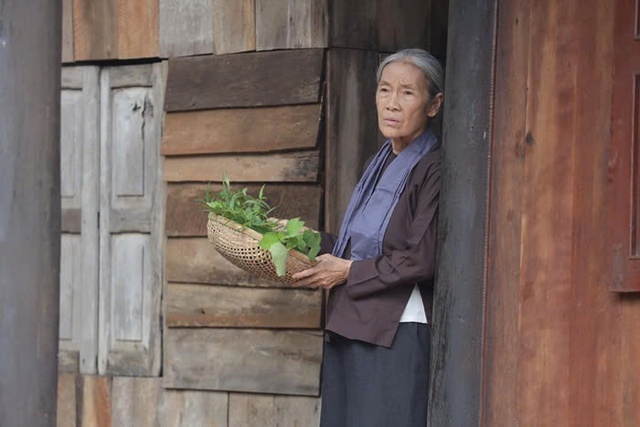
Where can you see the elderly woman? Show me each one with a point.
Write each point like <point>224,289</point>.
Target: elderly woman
<point>381,268</point>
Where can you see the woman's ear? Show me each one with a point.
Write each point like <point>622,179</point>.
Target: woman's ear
<point>435,105</point>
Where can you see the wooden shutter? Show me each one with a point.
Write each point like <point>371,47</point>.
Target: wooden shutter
<point>79,155</point>
<point>131,207</point>
<point>624,154</point>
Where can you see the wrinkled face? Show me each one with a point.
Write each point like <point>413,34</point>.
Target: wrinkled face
<point>402,101</point>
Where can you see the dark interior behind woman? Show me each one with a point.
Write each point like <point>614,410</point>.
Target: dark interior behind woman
<point>381,268</point>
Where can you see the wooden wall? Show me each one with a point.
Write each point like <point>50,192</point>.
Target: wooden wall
<point>561,349</point>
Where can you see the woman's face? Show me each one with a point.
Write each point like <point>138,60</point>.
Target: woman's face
<point>402,100</point>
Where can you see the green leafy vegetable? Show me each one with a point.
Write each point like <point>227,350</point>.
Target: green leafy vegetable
<point>253,212</point>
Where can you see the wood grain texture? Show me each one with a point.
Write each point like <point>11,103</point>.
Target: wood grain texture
<point>66,413</point>
<point>194,260</point>
<point>137,402</point>
<point>95,30</point>
<point>247,360</point>
<point>96,401</point>
<point>352,132</point>
<point>403,24</point>
<point>234,26</point>
<point>184,408</point>
<point>67,31</point>
<point>300,166</point>
<point>186,27</point>
<point>187,216</point>
<point>354,24</point>
<point>291,24</point>
<point>137,29</point>
<point>251,410</point>
<point>226,130</point>
<point>245,80</point>
<point>505,220</point>
<point>195,306</point>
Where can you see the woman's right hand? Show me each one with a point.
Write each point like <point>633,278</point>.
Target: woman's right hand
<point>327,273</point>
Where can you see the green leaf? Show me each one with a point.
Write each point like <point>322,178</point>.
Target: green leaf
<point>268,240</point>
<point>293,227</point>
<point>279,255</point>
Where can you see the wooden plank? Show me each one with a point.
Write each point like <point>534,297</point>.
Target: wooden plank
<point>507,187</point>
<point>547,217</point>
<point>354,24</point>
<point>184,408</point>
<point>245,80</point>
<point>66,414</point>
<point>186,27</point>
<point>301,166</point>
<point>131,187</point>
<point>68,361</point>
<point>196,306</point>
<point>137,29</point>
<point>247,360</point>
<point>251,410</point>
<point>226,130</point>
<point>136,402</point>
<point>193,260</point>
<point>234,26</point>
<point>291,24</point>
<point>95,406</point>
<point>67,31</point>
<point>187,216</point>
<point>403,24</point>
<point>95,30</point>
<point>352,132</point>
<point>438,28</point>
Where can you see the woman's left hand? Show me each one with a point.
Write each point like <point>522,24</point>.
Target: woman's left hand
<point>327,273</point>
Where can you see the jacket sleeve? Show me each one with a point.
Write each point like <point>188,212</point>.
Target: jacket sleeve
<point>411,263</point>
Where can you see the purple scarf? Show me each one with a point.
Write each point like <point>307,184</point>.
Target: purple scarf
<point>365,227</point>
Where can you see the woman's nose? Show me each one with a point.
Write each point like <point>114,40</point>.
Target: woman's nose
<point>393,104</point>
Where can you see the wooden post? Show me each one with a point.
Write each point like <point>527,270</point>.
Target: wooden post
<point>30,55</point>
<point>456,389</point>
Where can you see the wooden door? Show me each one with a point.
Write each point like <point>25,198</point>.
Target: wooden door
<point>131,207</point>
<point>624,154</point>
<point>79,155</point>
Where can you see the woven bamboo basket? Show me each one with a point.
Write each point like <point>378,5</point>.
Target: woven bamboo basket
<point>239,245</point>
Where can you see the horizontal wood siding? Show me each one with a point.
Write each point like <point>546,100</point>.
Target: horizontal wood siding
<point>264,361</point>
<point>200,306</point>
<point>291,24</point>
<point>252,410</point>
<point>299,166</point>
<point>247,80</point>
<point>234,26</point>
<point>226,130</point>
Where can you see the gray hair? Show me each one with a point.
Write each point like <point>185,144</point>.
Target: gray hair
<point>422,59</point>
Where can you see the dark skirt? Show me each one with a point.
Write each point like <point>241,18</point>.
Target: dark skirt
<point>364,385</point>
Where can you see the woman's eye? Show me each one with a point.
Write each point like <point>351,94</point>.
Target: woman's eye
<point>408,92</point>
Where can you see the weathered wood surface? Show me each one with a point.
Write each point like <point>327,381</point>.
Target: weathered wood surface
<point>100,401</point>
<point>403,24</point>
<point>95,407</point>
<point>291,24</point>
<point>95,30</point>
<point>299,166</point>
<point>67,31</point>
<point>505,204</point>
<point>79,164</point>
<point>137,29</point>
<point>549,209</point>
<point>186,27</point>
<point>352,126</point>
<point>234,26</point>
<point>241,130</point>
<point>251,410</point>
<point>624,209</point>
<point>187,215</point>
<point>131,188</point>
<point>245,80</point>
<point>194,260</point>
<point>67,400</point>
<point>195,306</point>
<point>354,24</point>
<point>247,360</point>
